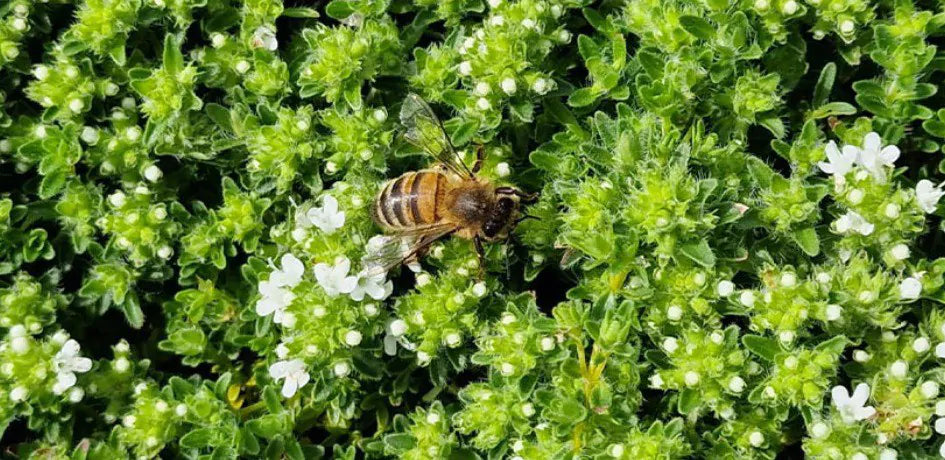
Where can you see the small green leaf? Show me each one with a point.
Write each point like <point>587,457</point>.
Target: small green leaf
<point>824,84</point>
<point>698,27</point>
<point>199,438</point>
<point>699,252</point>
<point>764,347</point>
<point>808,241</point>
<point>399,442</point>
<point>173,58</point>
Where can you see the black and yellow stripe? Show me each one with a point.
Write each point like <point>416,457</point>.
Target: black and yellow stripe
<point>409,201</point>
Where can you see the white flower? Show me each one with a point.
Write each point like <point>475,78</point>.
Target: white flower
<point>910,289</point>
<point>276,292</point>
<point>334,279</point>
<point>853,222</point>
<point>353,338</point>
<point>838,163</point>
<point>875,158</point>
<point>292,372</point>
<point>395,335</point>
<point>725,288</point>
<point>851,408</point>
<point>327,217</point>
<point>265,38</point>
<point>66,363</point>
<point>374,285</point>
<point>756,439</point>
<point>927,195</point>
<point>290,273</point>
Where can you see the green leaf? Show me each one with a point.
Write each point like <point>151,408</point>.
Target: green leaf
<point>339,9</point>
<point>773,124</point>
<point>699,252</point>
<point>399,442</point>
<point>824,84</point>
<point>698,27</point>
<point>173,58</point>
<point>132,312</point>
<point>689,400</point>
<point>808,241</point>
<point>765,348</point>
<point>582,97</point>
<point>300,12</point>
<point>220,115</point>
<point>833,109</point>
<point>198,438</point>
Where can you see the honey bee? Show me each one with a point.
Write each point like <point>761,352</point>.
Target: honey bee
<point>448,199</point>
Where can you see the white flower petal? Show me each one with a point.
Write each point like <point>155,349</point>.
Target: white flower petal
<point>872,141</point>
<point>289,388</point>
<point>860,395</point>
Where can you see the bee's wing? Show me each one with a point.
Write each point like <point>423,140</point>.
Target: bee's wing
<point>425,131</point>
<point>388,251</point>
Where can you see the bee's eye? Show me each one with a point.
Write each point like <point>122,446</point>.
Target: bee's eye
<point>491,228</point>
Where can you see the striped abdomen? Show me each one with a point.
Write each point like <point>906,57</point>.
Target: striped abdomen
<point>410,200</point>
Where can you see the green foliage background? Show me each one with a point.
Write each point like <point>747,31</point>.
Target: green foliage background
<point>691,289</point>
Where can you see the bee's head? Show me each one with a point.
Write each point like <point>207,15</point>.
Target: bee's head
<point>505,212</point>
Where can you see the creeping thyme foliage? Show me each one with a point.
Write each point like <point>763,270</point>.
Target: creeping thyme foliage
<point>737,250</point>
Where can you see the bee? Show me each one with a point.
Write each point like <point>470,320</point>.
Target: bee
<point>449,199</point>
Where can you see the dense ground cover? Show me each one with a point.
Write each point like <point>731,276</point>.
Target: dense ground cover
<point>737,252</point>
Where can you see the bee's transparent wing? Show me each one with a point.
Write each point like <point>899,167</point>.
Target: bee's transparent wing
<point>385,252</point>
<point>425,131</point>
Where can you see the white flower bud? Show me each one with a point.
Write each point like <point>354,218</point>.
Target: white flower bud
<point>495,3</point>
<point>892,210</point>
<point>180,410</point>
<point>18,24</point>
<point>940,408</point>
<point>342,369</point>
<point>789,7</point>
<point>929,389</point>
<point>128,421</point>
<point>153,173</point>
<point>353,338</point>
<point>380,115</point>
<point>453,340</point>
<point>940,350</point>
<point>40,131</point>
<point>788,279</point>
<point>242,66</point>
<point>725,288</point>
<point>819,430</point>
<point>217,40</point>
<point>910,289</point>
<point>479,289</point>
<point>756,439</point>
<point>899,369</point>
<point>899,252</point>
<point>786,336</point>
<point>790,362</point>
<point>502,169</point>
<point>433,418</point>
<point>483,104</point>
<point>482,89</point>
<point>940,426</point>
<point>398,327</point>
<point>465,68</point>
<point>861,356</point>
<point>921,345</point>
<point>547,344</point>
<point>497,20</point>
<point>165,252</point>
<point>18,394</point>
<point>670,344</point>
<point>615,450</point>
<point>370,309</point>
<point>761,5</point>
<point>656,381</point>
<point>888,454</point>
<point>540,86</point>
<point>859,456</point>
<point>121,365</point>
<point>76,105</point>
<point>833,312</point>
<point>41,72</point>
<point>691,378</point>
<point>19,345</point>
<point>528,409</point>
<point>747,298</point>
<point>736,384</point>
<point>507,369</point>
<point>564,36</point>
<point>674,313</point>
<point>847,27</point>
<point>508,86</point>
<point>75,395</point>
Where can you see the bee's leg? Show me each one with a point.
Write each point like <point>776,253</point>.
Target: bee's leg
<point>526,198</point>
<point>481,253</point>
<point>480,155</point>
